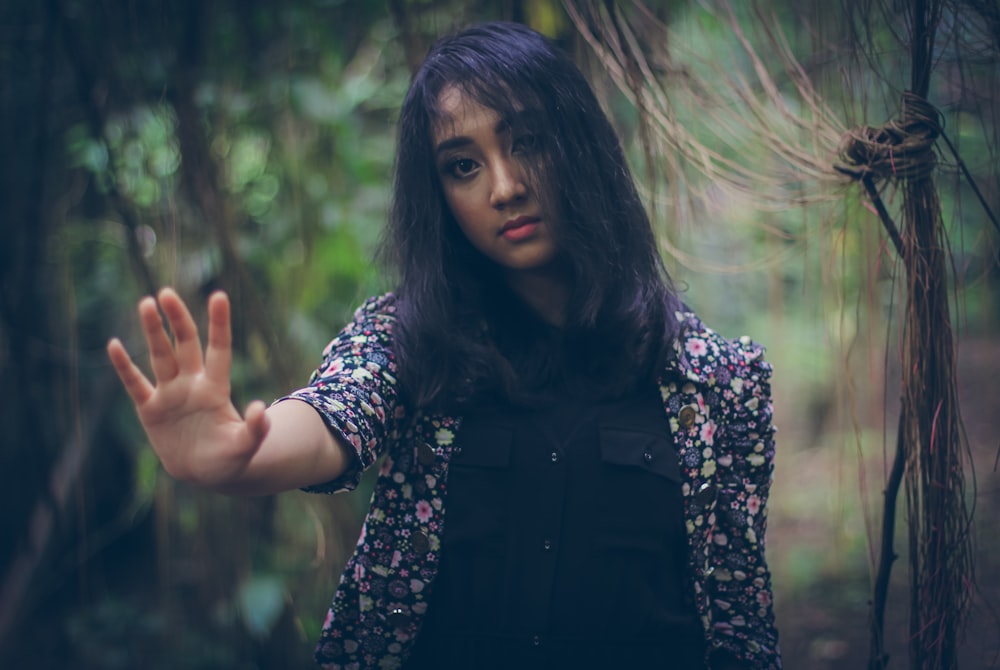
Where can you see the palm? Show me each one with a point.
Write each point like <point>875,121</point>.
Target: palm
<point>188,415</point>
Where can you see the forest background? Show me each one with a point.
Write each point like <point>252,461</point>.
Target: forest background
<point>247,145</point>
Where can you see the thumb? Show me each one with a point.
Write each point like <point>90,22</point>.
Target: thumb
<point>257,421</point>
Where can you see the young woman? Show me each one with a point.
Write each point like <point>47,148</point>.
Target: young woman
<point>576,467</point>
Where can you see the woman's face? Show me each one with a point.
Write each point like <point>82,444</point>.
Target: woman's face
<point>482,163</point>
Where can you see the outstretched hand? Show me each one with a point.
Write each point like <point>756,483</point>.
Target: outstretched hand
<point>186,410</point>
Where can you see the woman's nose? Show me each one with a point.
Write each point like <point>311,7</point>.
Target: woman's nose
<point>508,183</point>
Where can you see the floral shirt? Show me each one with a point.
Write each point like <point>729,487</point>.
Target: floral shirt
<point>716,394</point>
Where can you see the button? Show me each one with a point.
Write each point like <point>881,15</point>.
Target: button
<point>705,495</point>
<point>425,454</point>
<point>420,542</point>
<point>686,417</point>
<point>647,456</point>
<point>536,641</point>
<point>397,618</point>
<point>555,456</point>
<point>547,544</point>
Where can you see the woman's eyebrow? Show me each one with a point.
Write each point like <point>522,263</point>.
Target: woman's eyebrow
<point>520,119</point>
<point>502,126</point>
<point>452,143</point>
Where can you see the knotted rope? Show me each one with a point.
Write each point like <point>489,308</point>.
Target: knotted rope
<point>903,148</point>
<point>930,441</point>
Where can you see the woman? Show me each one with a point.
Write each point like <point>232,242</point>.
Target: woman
<point>575,466</point>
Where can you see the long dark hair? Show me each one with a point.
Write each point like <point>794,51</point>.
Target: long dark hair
<point>622,304</point>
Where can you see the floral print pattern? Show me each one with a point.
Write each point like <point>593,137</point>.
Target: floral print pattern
<point>716,394</point>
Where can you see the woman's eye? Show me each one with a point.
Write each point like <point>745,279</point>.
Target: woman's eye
<point>525,143</point>
<point>461,167</point>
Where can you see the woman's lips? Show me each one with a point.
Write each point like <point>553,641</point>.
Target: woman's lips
<point>520,228</point>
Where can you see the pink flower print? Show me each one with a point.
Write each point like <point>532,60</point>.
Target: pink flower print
<point>335,366</point>
<point>328,620</point>
<point>763,598</point>
<point>708,432</point>
<point>696,347</point>
<point>423,511</point>
<point>386,466</point>
<point>753,504</point>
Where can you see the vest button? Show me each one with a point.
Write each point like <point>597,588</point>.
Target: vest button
<point>686,417</point>
<point>397,618</point>
<point>425,454</point>
<point>420,542</point>
<point>705,495</point>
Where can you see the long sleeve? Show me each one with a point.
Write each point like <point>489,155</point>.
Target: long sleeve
<point>355,390</point>
<point>741,595</point>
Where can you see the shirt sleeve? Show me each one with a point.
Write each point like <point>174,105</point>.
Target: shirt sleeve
<point>743,615</point>
<point>354,389</point>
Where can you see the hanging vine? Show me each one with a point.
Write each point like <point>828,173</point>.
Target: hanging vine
<point>810,153</point>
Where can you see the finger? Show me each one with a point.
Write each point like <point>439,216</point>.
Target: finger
<point>187,346</point>
<point>136,384</point>
<point>161,351</point>
<point>219,354</point>
<point>257,421</point>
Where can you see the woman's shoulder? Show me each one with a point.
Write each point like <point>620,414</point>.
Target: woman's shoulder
<point>702,355</point>
<point>372,324</point>
<point>377,313</point>
<point>377,305</point>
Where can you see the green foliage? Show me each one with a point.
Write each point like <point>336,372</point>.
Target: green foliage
<point>273,183</point>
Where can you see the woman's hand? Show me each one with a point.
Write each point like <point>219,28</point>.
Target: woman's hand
<point>187,413</point>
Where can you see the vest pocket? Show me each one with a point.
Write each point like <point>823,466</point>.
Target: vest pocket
<point>478,485</point>
<point>640,494</point>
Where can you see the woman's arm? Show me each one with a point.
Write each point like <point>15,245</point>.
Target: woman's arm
<point>192,425</point>
<point>355,390</point>
<point>741,581</point>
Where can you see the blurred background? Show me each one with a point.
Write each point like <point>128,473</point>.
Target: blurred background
<point>247,145</point>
